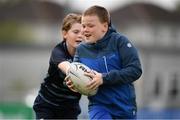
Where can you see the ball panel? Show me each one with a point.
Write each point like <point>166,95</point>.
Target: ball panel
<point>79,80</point>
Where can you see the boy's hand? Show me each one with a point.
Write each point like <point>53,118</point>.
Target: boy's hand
<point>96,81</point>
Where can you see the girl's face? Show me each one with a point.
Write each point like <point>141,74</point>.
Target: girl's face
<point>74,35</point>
<point>93,29</point>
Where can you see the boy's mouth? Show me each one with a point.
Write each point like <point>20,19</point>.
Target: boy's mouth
<point>87,35</point>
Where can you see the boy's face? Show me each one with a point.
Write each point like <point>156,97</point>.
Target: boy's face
<point>93,29</point>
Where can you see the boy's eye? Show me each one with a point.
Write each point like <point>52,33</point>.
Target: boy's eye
<point>90,26</point>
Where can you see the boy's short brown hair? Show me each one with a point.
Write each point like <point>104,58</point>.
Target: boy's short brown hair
<point>100,12</point>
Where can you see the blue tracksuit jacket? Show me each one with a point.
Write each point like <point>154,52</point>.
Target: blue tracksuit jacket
<point>118,60</point>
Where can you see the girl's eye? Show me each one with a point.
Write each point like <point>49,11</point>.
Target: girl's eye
<point>76,32</point>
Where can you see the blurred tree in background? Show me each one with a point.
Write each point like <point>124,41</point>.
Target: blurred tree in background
<point>178,6</point>
<point>29,21</point>
<point>12,30</point>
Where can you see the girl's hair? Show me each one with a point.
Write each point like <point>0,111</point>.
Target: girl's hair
<point>69,20</point>
<point>100,12</point>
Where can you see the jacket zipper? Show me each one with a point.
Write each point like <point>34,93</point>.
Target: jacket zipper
<point>105,63</point>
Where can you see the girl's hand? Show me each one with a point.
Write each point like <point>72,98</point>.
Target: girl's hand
<point>69,84</point>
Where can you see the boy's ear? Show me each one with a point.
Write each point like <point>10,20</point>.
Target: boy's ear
<point>105,26</point>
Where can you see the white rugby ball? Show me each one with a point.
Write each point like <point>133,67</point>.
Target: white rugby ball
<point>79,80</point>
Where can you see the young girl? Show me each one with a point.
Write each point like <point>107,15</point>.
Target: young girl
<point>55,100</point>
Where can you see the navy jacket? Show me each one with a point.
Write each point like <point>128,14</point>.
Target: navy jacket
<point>53,90</point>
<point>115,57</point>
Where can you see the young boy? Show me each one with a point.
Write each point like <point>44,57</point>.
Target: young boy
<point>115,63</point>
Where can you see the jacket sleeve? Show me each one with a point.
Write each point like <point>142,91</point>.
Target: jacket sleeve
<point>131,66</point>
<point>57,56</point>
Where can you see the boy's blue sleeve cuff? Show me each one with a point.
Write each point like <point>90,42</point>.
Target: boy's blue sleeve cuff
<point>105,78</point>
